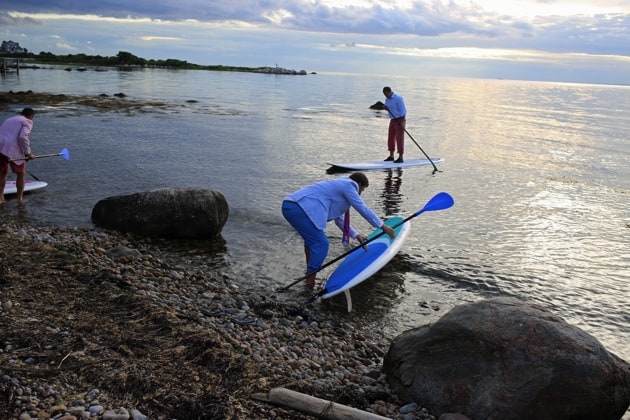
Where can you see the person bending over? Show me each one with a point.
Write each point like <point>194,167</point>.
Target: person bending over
<point>309,209</point>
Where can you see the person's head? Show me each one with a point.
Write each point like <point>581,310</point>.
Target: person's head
<point>28,113</point>
<point>387,91</point>
<point>361,179</point>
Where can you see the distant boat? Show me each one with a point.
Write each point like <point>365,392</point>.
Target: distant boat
<point>81,69</point>
<point>100,69</point>
<point>68,69</point>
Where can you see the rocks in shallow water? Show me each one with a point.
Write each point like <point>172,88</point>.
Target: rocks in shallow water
<point>378,105</point>
<point>503,358</point>
<point>171,212</point>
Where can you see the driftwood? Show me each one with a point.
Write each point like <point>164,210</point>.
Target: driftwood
<point>314,406</point>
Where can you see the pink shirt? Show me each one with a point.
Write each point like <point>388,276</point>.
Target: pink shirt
<point>14,137</point>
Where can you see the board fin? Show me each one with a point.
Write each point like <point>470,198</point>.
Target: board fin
<point>348,299</point>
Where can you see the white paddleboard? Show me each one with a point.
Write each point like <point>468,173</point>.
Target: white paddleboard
<point>361,264</point>
<point>381,164</point>
<point>10,187</point>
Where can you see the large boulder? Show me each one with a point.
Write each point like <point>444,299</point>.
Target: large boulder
<point>505,359</point>
<point>172,212</point>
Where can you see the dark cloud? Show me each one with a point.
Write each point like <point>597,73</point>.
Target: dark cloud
<point>581,33</point>
<point>423,18</point>
<point>161,9</point>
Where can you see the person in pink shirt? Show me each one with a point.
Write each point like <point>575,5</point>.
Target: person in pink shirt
<point>15,144</point>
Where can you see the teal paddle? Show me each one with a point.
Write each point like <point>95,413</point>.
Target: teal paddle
<point>64,153</point>
<point>440,201</point>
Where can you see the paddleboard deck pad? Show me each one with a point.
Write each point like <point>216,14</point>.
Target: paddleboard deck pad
<point>383,164</point>
<point>10,187</point>
<point>361,264</point>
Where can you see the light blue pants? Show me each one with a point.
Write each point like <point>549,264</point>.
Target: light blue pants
<point>315,240</point>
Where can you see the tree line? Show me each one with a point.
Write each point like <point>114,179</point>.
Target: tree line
<point>122,59</point>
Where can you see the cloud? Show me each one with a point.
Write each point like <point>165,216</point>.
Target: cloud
<point>347,34</point>
<point>7,20</point>
<point>424,19</point>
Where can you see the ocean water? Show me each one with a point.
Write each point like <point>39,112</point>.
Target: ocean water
<point>539,173</point>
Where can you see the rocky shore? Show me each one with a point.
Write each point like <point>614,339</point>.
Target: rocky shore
<point>100,325</point>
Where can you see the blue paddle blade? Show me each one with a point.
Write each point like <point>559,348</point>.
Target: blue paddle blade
<point>64,152</point>
<point>440,201</point>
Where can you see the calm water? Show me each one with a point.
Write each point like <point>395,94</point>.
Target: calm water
<point>539,173</point>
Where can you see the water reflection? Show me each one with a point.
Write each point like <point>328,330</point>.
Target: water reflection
<point>392,198</point>
<point>374,297</point>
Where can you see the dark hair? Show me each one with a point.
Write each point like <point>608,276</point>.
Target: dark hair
<point>360,178</point>
<point>387,89</point>
<point>28,112</point>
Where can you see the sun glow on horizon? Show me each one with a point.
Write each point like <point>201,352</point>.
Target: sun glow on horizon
<point>500,54</point>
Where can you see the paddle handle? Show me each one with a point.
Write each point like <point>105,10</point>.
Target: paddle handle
<point>24,158</point>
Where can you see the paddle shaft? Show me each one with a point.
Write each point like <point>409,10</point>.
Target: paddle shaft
<point>350,251</point>
<point>39,156</point>
<point>34,177</point>
<point>435,169</point>
<point>64,153</point>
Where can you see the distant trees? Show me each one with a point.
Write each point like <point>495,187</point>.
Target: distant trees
<point>123,58</point>
<point>127,59</point>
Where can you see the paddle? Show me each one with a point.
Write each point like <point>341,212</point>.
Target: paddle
<point>440,201</point>
<point>435,169</point>
<point>33,175</point>
<point>64,153</point>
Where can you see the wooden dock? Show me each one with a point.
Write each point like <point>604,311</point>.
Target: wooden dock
<point>7,64</point>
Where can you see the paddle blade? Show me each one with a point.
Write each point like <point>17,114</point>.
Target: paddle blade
<point>440,201</point>
<point>64,152</point>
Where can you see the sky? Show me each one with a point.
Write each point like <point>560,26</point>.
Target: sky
<point>574,41</point>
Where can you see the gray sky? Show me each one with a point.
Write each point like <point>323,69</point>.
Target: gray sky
<point>565,40</point>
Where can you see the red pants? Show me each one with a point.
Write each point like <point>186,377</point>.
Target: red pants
<point>396,136</point>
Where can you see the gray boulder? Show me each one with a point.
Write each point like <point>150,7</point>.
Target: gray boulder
<point>172,212</point>
<point>505,359</point>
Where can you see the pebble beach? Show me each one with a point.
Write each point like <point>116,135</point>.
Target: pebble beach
<point>102,325</point>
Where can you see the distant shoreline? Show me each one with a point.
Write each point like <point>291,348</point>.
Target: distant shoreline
<point>125,60</point>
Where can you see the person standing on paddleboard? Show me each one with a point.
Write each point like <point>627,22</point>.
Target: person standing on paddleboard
<point>395,105</point>
<point>309,210</point>
<point>15,144</point>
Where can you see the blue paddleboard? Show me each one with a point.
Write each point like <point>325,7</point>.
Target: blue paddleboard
<point>361,264</point>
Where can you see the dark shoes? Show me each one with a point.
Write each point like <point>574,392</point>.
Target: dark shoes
<point>391,158</point>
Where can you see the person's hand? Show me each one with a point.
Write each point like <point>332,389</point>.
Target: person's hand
<point>388,230</point>
<point>361,240</point>
<point>403,124</point>
<point>30,156</point>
